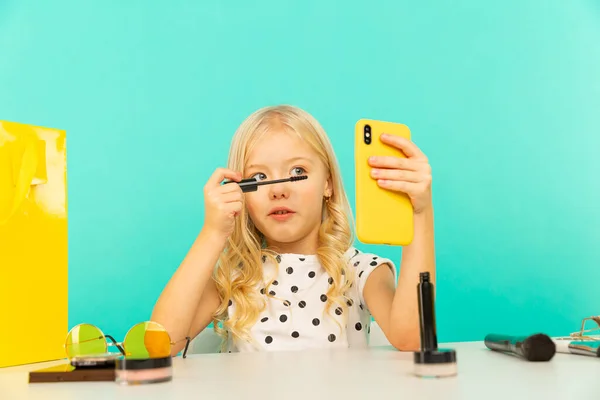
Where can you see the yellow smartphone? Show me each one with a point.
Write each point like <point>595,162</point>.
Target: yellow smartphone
<point>382,216</point>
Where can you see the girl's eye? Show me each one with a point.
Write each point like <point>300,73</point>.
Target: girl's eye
<point>259,176</point>
<point>298,171</point>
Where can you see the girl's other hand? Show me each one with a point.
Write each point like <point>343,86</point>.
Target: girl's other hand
<point>222,203</point>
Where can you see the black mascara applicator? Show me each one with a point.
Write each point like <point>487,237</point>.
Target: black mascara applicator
<point>251,184</point>
<point>431,362</point>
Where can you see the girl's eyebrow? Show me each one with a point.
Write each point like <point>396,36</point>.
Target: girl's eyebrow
<point>289,160</point>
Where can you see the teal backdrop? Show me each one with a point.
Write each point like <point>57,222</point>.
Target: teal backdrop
<point>504,98</point>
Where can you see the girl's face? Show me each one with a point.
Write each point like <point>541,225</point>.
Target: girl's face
<point>288,214</point>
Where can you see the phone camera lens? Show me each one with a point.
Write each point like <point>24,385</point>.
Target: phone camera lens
<point>367,134</point>
<point>367,128</point>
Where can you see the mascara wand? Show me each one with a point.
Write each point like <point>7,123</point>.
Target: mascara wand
<point>251,184</point>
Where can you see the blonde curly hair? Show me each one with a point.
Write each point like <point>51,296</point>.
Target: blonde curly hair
<point>239,274</point>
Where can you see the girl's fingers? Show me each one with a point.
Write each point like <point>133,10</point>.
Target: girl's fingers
<point>234,208</point>
<point>232,197</point>
<point>391,162</point>
<point>397,175</point>
<point>229,188</point>
<point>404,144</point>
<point>400,186</point>
<point>219,175</point>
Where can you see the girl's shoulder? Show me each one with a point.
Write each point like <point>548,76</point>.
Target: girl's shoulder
<point>364,263</point>
<point>356,257</point>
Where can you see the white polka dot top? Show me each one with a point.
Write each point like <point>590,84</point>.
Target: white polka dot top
<point>295,319</point>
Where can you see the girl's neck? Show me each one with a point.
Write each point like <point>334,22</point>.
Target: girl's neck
<point>307,246</point>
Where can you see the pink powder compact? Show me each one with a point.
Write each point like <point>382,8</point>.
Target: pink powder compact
<point>139,371</point>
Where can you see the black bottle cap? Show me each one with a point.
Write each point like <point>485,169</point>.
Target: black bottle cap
<point>437,356</point>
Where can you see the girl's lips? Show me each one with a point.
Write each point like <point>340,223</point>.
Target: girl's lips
<point>282,216</point>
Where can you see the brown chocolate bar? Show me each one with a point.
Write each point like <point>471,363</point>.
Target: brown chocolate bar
<point>68,373</point>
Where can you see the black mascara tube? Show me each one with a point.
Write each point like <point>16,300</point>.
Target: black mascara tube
<point>425,291</point>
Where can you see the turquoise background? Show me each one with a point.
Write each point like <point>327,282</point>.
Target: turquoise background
<point>504,97</point>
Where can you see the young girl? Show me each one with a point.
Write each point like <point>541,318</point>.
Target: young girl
<point>276,269</point>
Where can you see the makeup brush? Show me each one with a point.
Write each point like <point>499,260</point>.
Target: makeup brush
<point>536,347</point>
<point>251,184</point>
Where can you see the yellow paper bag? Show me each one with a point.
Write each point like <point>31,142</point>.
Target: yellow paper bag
<point>33,244</point>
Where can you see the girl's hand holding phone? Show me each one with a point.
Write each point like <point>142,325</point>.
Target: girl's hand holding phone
<point>410,175</point>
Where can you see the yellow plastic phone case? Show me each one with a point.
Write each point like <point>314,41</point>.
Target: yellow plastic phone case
<point>382,216</point>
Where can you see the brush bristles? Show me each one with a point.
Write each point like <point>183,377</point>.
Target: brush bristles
<point>539,347</point>
<point>298,178</point>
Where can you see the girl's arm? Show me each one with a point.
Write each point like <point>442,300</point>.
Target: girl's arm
<point>187,303</point>
<point>189,300</point>
<point>397,310</point>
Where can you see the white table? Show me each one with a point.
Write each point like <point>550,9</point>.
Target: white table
<point>379,373</point>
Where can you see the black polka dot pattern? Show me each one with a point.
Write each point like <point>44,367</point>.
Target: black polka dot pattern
<point>302,287</point>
